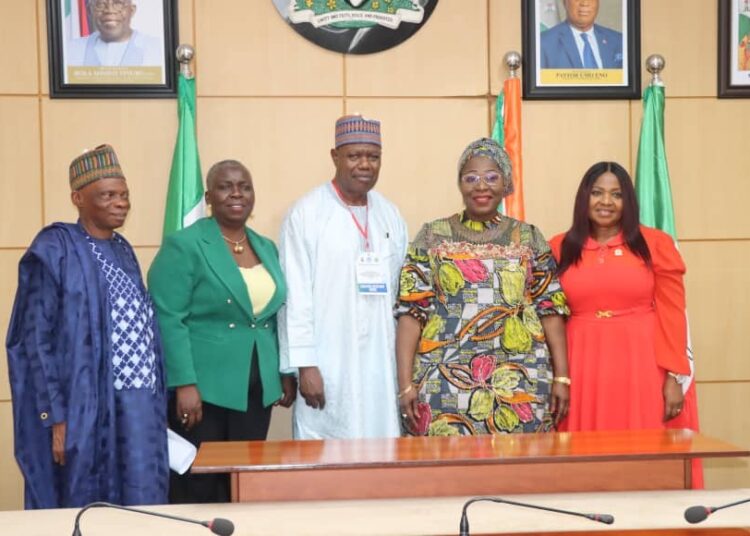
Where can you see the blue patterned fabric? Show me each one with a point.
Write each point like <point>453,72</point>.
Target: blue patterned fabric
<point>61,370</point>
<point>132,325</point>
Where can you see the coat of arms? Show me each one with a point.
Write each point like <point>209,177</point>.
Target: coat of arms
<point>356,26</point>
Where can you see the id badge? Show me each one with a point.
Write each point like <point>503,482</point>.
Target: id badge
<point>371,274</point>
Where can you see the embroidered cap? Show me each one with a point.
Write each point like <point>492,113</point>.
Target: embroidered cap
<point>91,166</point>
<point>357,129</point>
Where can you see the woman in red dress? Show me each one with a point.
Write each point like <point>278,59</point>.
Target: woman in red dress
<point>627,333</point>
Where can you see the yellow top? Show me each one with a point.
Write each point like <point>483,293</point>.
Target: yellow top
<point>260,286</point>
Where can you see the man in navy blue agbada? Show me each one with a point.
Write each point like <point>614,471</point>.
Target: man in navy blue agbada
<point>84,357</point>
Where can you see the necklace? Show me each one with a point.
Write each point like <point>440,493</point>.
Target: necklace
<point>495,233</point>
<point>238,248</point>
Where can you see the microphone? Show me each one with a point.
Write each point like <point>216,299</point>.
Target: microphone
<point>464,525</point>
<point>222,527</point>
<point>696,514</point>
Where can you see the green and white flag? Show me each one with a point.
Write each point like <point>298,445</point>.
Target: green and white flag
<point>652,173</point>
<point>655,200</point>
<point>652,180</point>
<point>185,203</point>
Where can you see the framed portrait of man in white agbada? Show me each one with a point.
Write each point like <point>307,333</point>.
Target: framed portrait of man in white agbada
<point>112,48</point>
<point>581,49</point>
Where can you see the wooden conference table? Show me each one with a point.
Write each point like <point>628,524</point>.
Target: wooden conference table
<point>457,466</point>
<point>652,513</point>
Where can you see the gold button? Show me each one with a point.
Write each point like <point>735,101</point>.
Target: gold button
<point>232,325</point>
<point>44,416</point>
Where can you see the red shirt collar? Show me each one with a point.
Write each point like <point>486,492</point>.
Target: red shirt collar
<point>615,241</point>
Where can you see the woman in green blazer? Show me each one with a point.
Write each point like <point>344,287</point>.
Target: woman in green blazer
<point>217,286</point>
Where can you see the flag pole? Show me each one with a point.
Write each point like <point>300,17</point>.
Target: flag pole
<point>513,60</point>
<point>652,184</point>
<point>507,132</point>
<point>184,56</point>
<point>184,203</point>
<point>655,65</point>
<point>654,105</point>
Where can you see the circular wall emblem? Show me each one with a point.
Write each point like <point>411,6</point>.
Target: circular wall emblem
<point>356,26</point>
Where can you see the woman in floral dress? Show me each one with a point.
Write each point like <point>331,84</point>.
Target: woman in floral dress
<point>481,337</point>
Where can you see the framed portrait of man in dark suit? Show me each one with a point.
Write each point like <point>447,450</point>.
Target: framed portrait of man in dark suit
<point>581,49</point>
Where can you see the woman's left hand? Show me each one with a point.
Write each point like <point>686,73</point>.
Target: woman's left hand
<point>289,388</point>
<point>673,398</point>
<point>559,401</point>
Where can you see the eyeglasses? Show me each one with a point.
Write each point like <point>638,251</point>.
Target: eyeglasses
<point>490,179</point>
<point>115,5</point>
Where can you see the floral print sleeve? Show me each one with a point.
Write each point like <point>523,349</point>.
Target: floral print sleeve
<point>416,295</point>
<point>546,292</point>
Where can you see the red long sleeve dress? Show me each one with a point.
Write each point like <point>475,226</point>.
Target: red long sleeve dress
<point>627,328</point>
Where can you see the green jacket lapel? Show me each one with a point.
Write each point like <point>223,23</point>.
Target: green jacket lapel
<point>222,264</point>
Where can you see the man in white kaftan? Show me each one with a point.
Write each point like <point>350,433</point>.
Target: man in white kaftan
<point>342,247</point>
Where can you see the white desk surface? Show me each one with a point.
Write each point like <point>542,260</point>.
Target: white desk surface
<point>396,517</point>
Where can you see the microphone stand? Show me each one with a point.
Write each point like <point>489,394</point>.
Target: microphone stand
<point>464,524</point>
<point>696,514</point>
<point>77,529</point>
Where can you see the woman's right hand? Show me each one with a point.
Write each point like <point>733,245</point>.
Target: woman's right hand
<point>409,410</point>
<point>189,406</point>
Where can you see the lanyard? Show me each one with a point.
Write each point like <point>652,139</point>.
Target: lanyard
<point>362,230</point>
